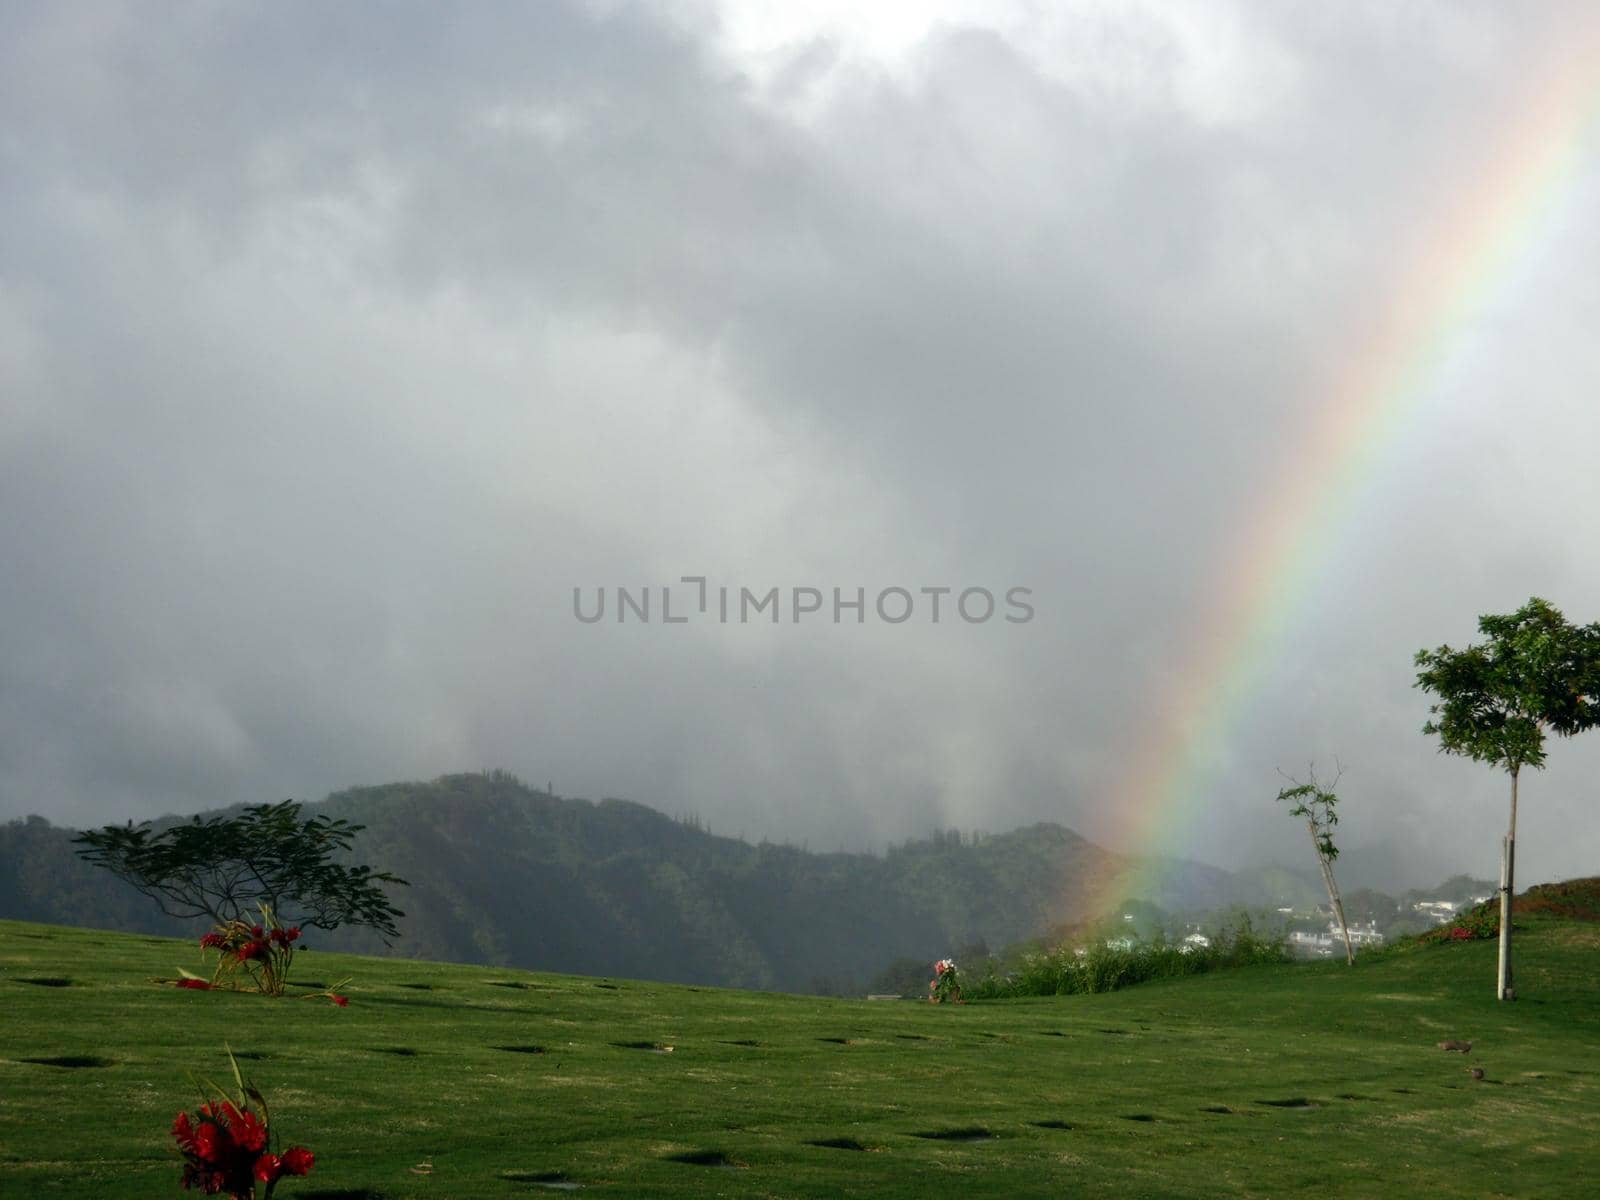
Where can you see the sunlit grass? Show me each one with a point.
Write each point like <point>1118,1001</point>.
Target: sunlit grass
<point>443,1081</point>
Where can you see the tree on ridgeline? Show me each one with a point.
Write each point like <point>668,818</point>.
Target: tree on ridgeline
<point>1535,674</point>
<point>1318,805</point>
<point>223,866</point>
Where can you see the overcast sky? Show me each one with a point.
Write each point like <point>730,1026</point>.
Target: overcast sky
<point>340,343</point>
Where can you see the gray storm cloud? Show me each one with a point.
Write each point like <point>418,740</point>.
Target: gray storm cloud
<point>336,351</point>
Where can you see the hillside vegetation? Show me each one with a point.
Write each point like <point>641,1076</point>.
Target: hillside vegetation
<point>464,1082</point>
<point>503,874</point>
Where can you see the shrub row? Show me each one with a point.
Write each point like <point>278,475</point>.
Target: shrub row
<point>1105,966</point>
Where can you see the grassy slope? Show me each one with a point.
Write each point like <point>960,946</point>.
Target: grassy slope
<point>1163,1090</point>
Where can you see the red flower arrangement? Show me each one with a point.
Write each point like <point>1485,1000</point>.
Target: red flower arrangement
<point>261,954</point>
<point>945,986</point>
<point>225,1145</point>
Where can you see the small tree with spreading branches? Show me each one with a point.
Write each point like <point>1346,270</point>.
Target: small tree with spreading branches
<point>1317,804</point>
<point>1535,674</point>
<point>220,867</point>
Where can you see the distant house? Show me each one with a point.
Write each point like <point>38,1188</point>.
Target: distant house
<point>1321,944</point>
<point>1362,935</point>
<point>1438,911</point>
<point>1302,938</point>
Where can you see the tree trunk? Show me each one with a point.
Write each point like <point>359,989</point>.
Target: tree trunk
<point>1508,886</point>
<point>1333,893</point>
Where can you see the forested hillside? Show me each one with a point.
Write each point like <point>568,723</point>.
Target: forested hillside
<point>501,873</point>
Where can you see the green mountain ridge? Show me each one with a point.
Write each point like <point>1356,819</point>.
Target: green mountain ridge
<point>503,874</point>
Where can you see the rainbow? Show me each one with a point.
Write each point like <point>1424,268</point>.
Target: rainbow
<point>1271,570</point>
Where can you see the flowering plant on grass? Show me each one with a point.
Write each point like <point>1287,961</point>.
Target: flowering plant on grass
<point>254,957</point>
<point>945,986</point>
<point>1478,923</point>
<point>262,952</point>
<point>227,1144</point>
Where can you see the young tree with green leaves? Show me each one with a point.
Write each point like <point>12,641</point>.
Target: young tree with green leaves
<point>223,866</point>
<point>1535,674</point>
<point>1318,804</point>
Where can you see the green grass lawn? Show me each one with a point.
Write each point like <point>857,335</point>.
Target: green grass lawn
<point>457,1082</point>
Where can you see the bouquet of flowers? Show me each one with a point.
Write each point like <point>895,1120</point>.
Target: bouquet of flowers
<point>262,952</point>
<point>226,1145</point>
<point>945,986</point>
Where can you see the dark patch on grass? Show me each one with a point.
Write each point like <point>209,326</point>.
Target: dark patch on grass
<point>1404,1091</point>
<point>655,1047</point>
<point>1291,1102</point>
<point>251,1055</point>
<point>1051,1033</point>
<point>704,1158</point>
<point>47,981</point>
<point>1051,1124</point>
<point>1218,1108</point>
<point>609,987</point>
<point>838,1143</point>
<point>1354,1096</point>
<point>967,1133</point>
<point>397,1051</point>
<point>742,1042</point>
<point>315,985</point>
<point>520,1049</point>
<point>509,983</point>
<point>417,987</point>
<point>837,1041</point>
<point>72,1061</point>
<point>913,1037</point>
<point>1140,1117</point>
<point>1117,1032</point>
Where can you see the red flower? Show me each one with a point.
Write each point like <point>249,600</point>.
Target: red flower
<point>292,933</point>
<point>248,1131</point>
<point>198,984</point>
<point>183,1130</point>
<point>255,932</point>
<point>210,1143</point>
<point>341,1001</point>
<point>211,941</point>
<point>268,1168</point>
<point>297,1160</point>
